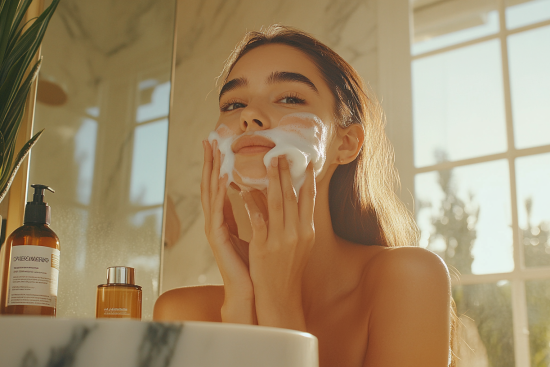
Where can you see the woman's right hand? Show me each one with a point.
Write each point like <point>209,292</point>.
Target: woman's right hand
<point>230,252</point>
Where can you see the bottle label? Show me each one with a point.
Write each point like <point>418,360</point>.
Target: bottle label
<point>34,273</point>
<point>116,311</point>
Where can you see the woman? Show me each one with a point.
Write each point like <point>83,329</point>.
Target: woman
<point>335,259</point>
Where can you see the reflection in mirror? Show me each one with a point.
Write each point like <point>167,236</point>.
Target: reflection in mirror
<point>104,98</point>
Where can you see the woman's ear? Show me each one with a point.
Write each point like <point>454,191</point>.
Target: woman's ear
<point>351,141</point>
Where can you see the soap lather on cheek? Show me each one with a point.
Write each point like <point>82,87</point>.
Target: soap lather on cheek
<point>301,137</point>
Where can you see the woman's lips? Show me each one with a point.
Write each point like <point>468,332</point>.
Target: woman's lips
<point>251,144</point>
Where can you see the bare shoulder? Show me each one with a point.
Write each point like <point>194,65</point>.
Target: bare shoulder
<point>408,264</point>
<point>407,272</point>
<point>407,297</point>
<point>197,303</point>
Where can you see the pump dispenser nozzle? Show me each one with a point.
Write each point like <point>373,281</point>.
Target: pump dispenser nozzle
<point>37,211</point>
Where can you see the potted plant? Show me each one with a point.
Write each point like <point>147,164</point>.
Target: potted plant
<point>19,42</point>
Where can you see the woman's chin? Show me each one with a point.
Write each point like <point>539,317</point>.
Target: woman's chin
<point>253,169</point>
<point>250,180</point>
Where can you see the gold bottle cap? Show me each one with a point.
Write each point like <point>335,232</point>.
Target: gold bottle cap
<point>120,275</point>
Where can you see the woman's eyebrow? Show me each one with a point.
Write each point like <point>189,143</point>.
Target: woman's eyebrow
<point>285,76</point>
<point>232,84</point>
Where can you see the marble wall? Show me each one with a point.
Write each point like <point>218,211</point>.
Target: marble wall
<point>207,31</point>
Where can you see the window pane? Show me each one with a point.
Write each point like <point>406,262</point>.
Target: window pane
<point>533,195</point>
<point>529,54</point>
<point>84,156</point>
<point>149,163</point>
<point>445,23</point>
<point>486,330</point>
<point>538,311</point>
<point>150,220</point>
<point>154,100</point>
<point>464,216</point>
<point>520,13</point>
<point>458,103</point>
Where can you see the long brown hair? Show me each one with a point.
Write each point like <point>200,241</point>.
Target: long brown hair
<point>364,208</point>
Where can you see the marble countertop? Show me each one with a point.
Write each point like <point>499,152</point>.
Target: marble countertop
<point>46,342</point>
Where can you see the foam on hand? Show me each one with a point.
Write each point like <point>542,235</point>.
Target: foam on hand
<point>301,137</point>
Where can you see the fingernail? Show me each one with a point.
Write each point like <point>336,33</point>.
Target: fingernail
<point>204,144</point>
<point>274,161</point>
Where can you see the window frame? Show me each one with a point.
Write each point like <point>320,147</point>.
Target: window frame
<point>160,75</point>
<point>395,91</point>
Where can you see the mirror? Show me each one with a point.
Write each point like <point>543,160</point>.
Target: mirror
<point>207,32</point>
<point>104,98</point>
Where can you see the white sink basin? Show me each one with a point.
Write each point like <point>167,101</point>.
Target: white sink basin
<point>38,341</point>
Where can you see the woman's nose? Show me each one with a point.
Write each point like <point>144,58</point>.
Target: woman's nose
<point>252,119</point>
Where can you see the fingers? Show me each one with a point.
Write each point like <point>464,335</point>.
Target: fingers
<point>306,203</point>
<point>214,178</point>
<point>229,217</point>
<point>217,218</point>
<point>205,182</point>
<point>261,201</point>
<point>274,197</point>
<point>290,204</point>
<point>259,227</point>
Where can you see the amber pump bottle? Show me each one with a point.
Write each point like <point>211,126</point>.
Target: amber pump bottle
<point>31,263</point>
<point>120,298</point>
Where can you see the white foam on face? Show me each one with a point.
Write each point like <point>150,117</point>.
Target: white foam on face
<point>301,137</point>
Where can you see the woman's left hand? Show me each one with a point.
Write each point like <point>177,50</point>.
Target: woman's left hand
<point>280,246</point>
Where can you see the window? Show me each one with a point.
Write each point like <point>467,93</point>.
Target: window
<point>481,140</point>
<point>149,152</point>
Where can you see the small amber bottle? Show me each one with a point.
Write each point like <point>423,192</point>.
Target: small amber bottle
<point>120,298</point>
<point>31,263</point>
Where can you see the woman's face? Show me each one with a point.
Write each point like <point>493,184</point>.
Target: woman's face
<point>265,85</point>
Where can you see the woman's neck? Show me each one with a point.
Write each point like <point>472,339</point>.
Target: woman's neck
<point>322,279</point>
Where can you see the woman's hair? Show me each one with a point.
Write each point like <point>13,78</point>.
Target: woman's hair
<point>363,205</point>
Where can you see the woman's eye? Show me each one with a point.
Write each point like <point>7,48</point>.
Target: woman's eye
<point>292,100</point>
<point>232,106</point>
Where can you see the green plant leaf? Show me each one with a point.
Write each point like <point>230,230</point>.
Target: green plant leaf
<point>9,149</point>
<point>18,31</point>
<point>2,152</point>
<point>17,163</point>
<point>24,46</point>
<point>18,46</point>
<point>18,103</point>
<point>13,122</point>
<point>8,89</point>
<point>17,26</point>
<point>28,43</point>
<point>41,25</point>
<point>8,13</point>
